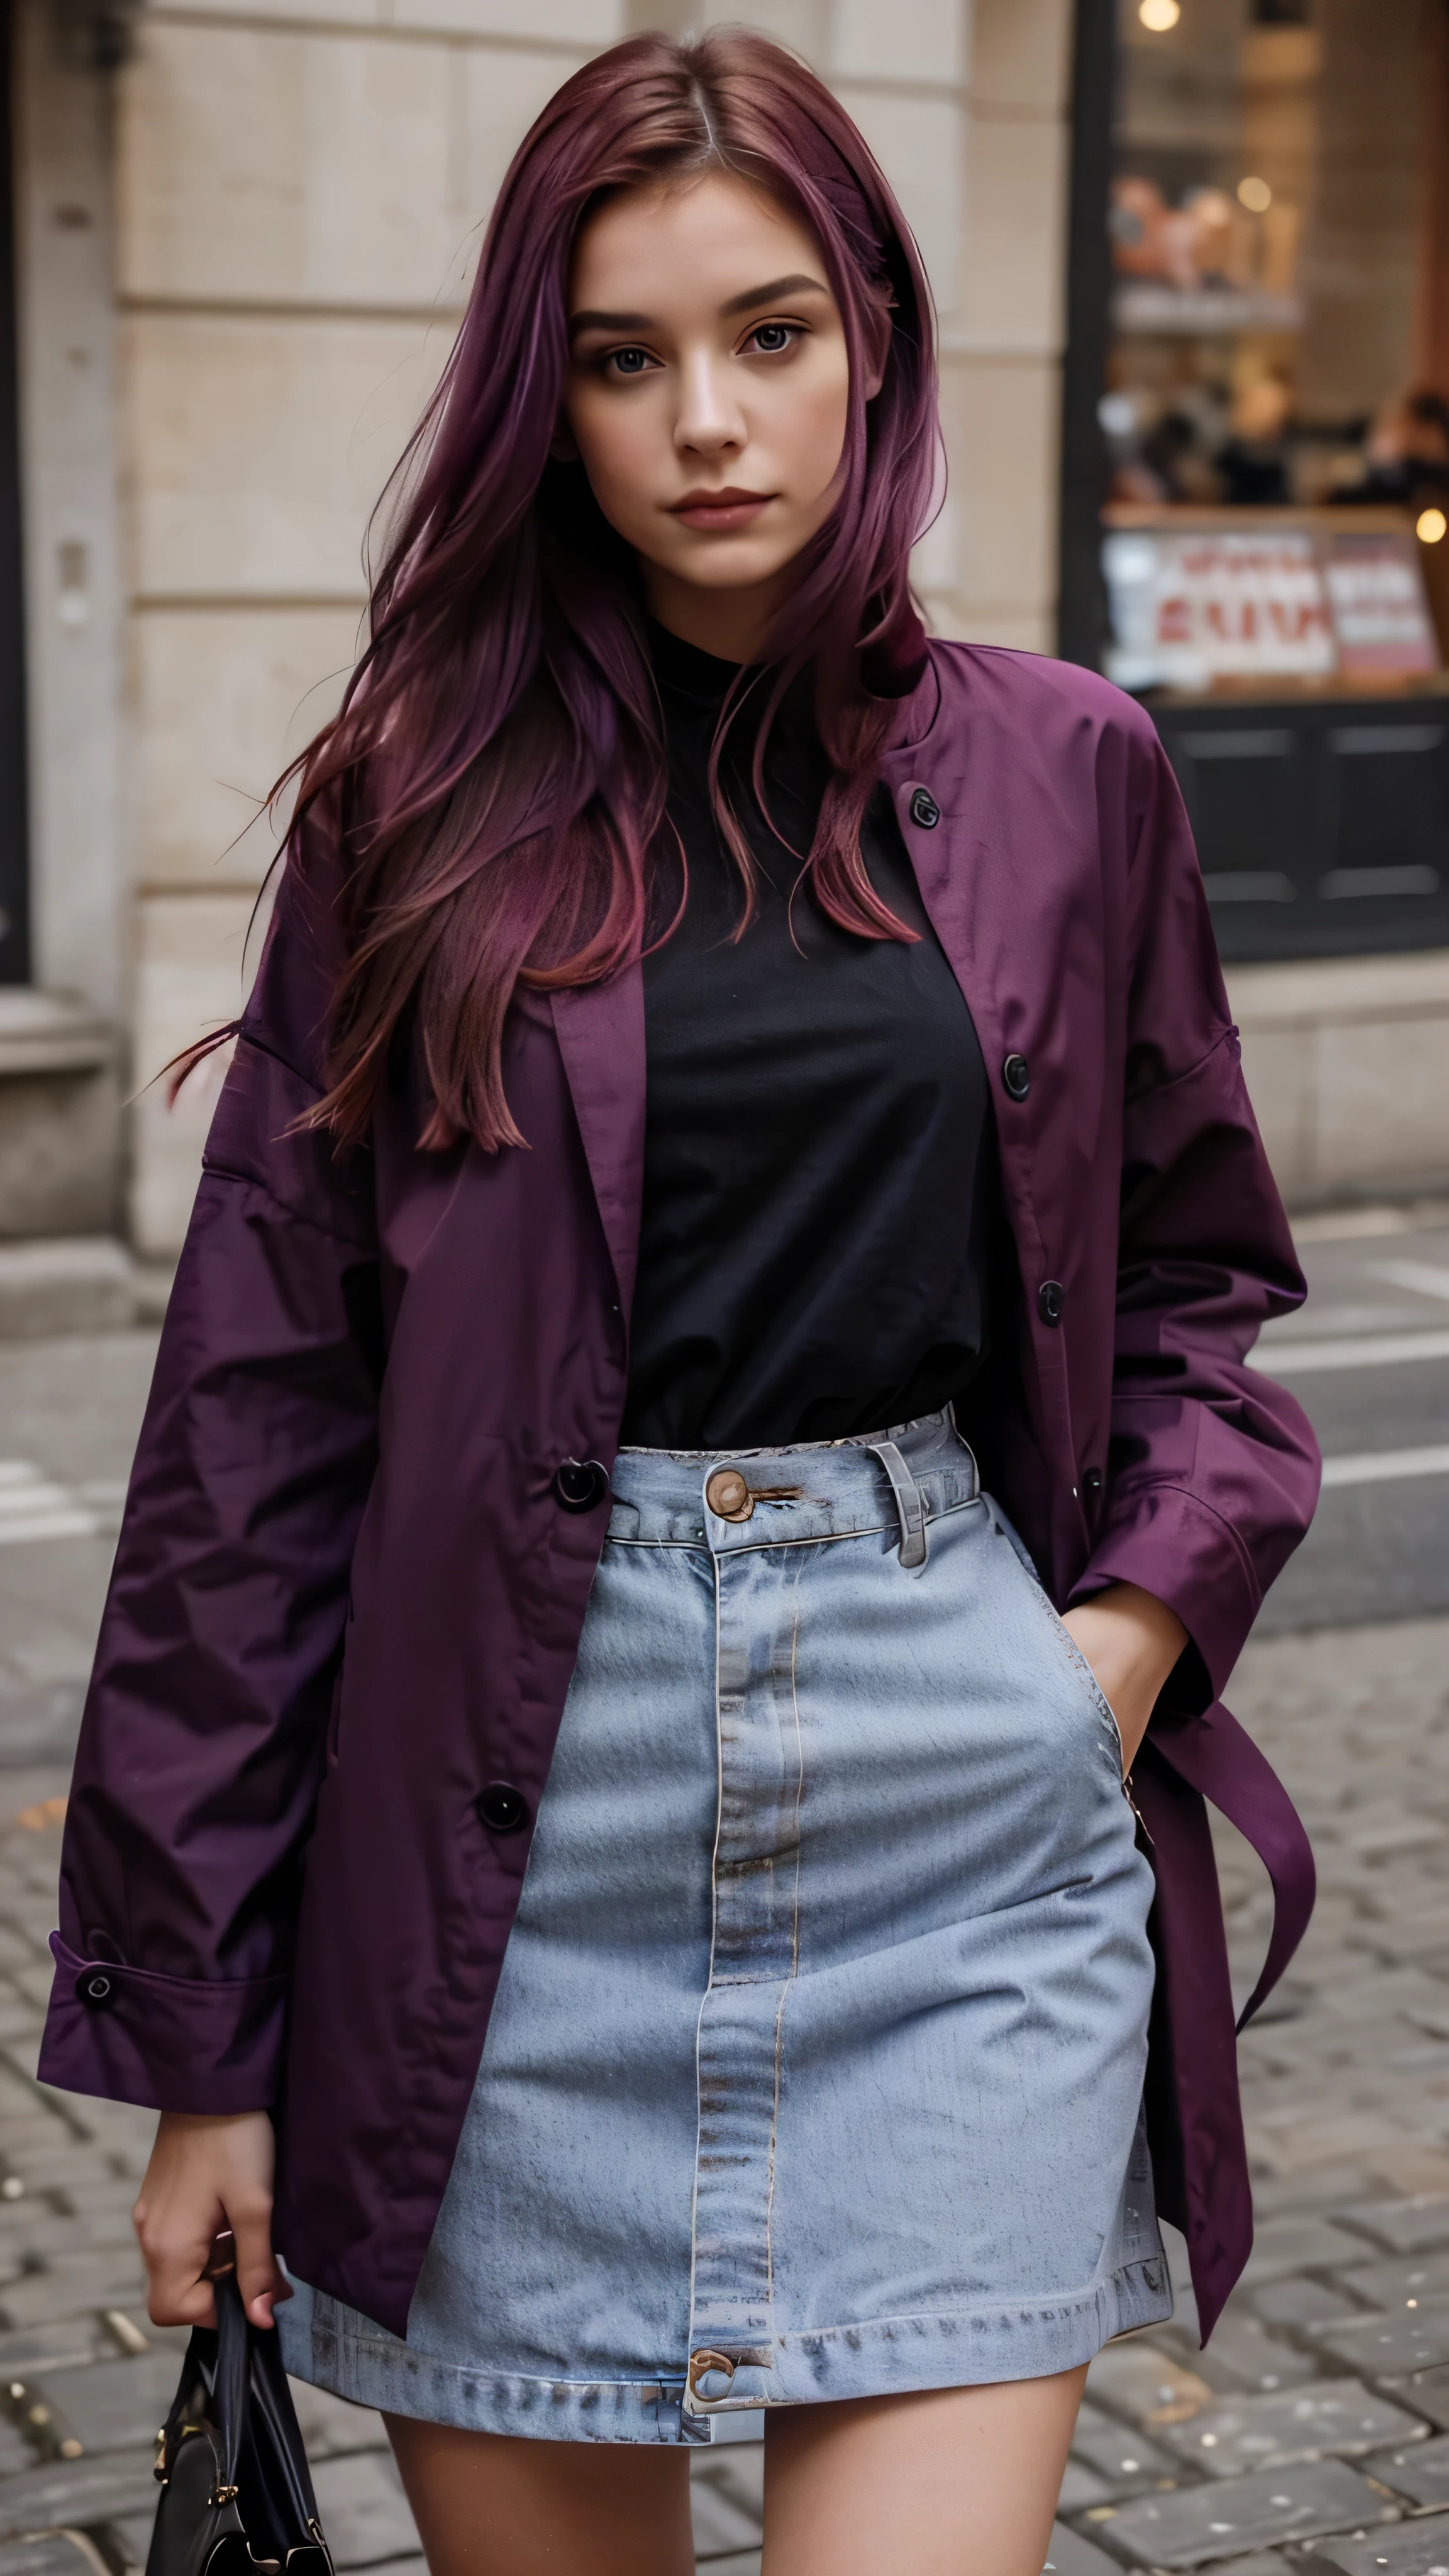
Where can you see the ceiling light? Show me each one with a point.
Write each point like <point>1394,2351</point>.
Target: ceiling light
<point>1256,195</point>
<point>1158,15</point>
<point>1430,526</point>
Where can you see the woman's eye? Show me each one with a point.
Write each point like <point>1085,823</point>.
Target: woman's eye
<point>771,337</point>
<point>629,362</point>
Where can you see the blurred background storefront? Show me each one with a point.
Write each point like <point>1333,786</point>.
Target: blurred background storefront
<point>1190,259</point>
<point>1255,524</point>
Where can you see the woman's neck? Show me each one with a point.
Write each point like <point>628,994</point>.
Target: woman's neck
<point>730,624</point>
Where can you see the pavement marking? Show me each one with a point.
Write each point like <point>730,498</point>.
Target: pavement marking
<point>1426,1278</point>
<point>1349,1350</point>
<point>33,1506</point>
<point>1385,1466</point>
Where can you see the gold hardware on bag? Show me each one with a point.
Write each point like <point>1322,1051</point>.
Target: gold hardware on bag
<point>223,2495</point>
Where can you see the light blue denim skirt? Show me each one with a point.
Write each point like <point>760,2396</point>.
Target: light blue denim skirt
<point>816,2064</point>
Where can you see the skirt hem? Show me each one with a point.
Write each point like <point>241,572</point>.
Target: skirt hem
<point>900,2356</point>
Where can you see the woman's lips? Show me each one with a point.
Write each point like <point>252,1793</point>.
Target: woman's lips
<point>720,510</point>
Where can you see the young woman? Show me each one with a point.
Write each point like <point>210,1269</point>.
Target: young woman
<point>734,1196</point>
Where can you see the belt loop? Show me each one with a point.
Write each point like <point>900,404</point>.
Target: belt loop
<point>913,1547</point>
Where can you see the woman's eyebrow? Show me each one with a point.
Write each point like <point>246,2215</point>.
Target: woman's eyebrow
<point>609,322</point>
<point>593,320</point>
<point>772,293</point>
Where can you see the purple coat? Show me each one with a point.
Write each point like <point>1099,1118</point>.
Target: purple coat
<point>347,1596</point>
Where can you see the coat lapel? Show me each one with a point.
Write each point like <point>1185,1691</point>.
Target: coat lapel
<point>600,1033</point>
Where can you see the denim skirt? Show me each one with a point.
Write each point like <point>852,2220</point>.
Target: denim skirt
<point>815,2069</point>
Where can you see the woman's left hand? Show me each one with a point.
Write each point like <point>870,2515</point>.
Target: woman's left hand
<point>1131,1640</point>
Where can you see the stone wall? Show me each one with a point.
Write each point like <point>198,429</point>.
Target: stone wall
<point>269,235</point>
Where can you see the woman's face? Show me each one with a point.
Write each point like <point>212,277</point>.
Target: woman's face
<point>707,397</point>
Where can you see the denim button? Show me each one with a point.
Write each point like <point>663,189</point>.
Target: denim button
<point>1016,1074</point>
<point>925,810</point>
<point>502,1808</point>
<point>581,1484</point>
<point>1051,1297</point>
<point>96,1989</point>
<point>728,1496</point>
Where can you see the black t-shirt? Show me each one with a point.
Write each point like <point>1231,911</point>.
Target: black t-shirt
<point>819,1155</point>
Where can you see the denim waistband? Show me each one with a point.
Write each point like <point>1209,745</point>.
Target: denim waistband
<point>797,1494</point>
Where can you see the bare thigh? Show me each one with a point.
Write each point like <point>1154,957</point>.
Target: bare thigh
<point>488,2504</point>
<point>956,2479</point>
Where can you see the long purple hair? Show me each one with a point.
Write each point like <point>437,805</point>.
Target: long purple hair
<point>496,772</point>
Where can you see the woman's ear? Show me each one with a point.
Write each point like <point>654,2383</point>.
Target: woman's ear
<point>877,349</point>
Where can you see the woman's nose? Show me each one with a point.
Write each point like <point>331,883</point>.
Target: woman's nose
<point>707,421</point>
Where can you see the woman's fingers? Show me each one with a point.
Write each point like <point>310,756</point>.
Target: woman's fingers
<point>258,2279</point>
<point>176,2245</point>
<point>207,2176</point>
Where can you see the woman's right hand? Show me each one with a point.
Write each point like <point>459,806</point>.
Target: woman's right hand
<point>207,2174</point>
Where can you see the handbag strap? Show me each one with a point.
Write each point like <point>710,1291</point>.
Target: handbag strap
<point>229,2391</point>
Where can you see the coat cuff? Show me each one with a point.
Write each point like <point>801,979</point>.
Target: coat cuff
<point>169,2043</point>
<point>1176,1546</point>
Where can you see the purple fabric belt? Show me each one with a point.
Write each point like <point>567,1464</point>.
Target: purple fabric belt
<point>1194,2117</point>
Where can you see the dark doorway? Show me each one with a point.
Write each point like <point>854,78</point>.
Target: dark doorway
<point>14,817</point>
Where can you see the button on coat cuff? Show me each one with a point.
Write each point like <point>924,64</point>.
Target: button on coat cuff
<point>169,2043</point>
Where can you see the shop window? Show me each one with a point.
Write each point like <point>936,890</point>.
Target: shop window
<point>1270,384</point>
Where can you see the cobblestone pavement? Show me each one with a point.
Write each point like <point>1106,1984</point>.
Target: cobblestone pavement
<point>1314,2431</point>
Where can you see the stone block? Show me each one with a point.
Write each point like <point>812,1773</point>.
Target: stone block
<point>78,1283</point>
<point>1298,2302</point>
<point>1011,279</point>
<point>225,697</point>
<point>76,2492</point>
<point>52,2346</point>
<point>45,2553</point>
<point>1000,421</point>
<point>920,144</point>
<point>59,1115</point>
<point>1071,2555</point>
<point>1201,2524</point>
<point>1125,2462</point>
<point>500,95</point>
<point>1398,2281</point>
<point>130,2537</point>
<point>1413,2226</point>
<point>727,2499</point>
<point>196,955</point>
<point>1415,2549</point>
<point>1335,2417</point>
<point>1021,54</point>
<point>363,2510</point>
<point>1136,2380</point>
<point>1392,2344</point>
<point>259,446</point>
<point>1381,1088</point>
<point>585,23</point>
<point>1427,2391</point>
<point>82,2282</point>
<point>108,2405</point>
<point>1420,2472</point>
<point>1242,2354</point>
<point>268,165</point>
<point>1278,1067</point>
<point>921,40</point>
<point>1081,2487</point>
<point>332,2426</point>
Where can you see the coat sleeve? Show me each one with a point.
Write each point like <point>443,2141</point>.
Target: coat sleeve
<point>1213,1470</point>
<point>202,1742</point>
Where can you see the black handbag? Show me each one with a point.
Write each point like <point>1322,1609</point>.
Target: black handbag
<point>235,2490</point>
